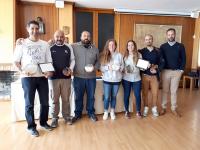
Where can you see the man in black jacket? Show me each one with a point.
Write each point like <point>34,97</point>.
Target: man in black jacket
<point>174,56</point>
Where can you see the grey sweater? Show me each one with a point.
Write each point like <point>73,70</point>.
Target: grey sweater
<point>84,56</point>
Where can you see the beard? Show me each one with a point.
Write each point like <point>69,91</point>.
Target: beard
<point>86,43</point>
<point>149,44</point>
<point>59,42</point>
<point>171,39</point>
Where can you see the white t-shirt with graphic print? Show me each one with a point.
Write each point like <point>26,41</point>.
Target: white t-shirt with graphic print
<point>32,53</point>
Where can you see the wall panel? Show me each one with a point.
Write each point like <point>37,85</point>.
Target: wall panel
<point>27,11</point>
<point>128,21</point>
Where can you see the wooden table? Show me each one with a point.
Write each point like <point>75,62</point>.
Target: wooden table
<point>192,81</point>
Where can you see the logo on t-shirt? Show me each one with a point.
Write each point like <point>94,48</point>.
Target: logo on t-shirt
<point>35,52</point>
<point>66,51</point>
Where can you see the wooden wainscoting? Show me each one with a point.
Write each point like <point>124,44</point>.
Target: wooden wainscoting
<point>126,24</point>
<point>27,11</point>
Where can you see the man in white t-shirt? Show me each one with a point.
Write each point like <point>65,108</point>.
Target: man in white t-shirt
<point>27,56</point>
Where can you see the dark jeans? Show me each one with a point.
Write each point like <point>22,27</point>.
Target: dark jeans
<point>30,85</point>
<point>110,94</point>
<point>136,86</point>
<point>82,85</point>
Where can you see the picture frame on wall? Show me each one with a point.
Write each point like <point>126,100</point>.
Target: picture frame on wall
<point>157,31</point>
<point>41,25</point>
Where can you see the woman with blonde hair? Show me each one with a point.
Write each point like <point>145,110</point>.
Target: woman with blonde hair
<point>131,78</point>
<point>111,67</point>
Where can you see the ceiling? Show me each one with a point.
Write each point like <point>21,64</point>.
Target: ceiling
<point>141,6</point>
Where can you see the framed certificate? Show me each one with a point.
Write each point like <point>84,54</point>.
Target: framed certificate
<point>45,67</point>
<point>143,64</point>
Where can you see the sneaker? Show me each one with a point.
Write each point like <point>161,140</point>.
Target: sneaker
<point>139,115</point>
<point>127,115</point>
<point>75,118</point>
<point>176,113</point>
<point>105,115</point>
<point>112,115</point>
<point>163,111</point>
<point>146,109</point>
<point>47,127</point>
<point>54,123</point>
<point>93,117</point>
<point>33,132</point>
<point>154,111</point>
<point>69,121</point>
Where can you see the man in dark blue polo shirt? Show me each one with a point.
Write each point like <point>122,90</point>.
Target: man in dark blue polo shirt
<point>60,83</point>
<point>150,76</point>
<point>175,59</point>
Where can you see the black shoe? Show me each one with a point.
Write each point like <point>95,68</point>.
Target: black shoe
<point>47,127</point>
<point>75,118</point>
<point>33,132</point>
<point>93,118</point>
<point>69,121</point>
<point>54,123</point>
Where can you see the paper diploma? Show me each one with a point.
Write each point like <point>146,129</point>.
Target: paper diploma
<point>45,67</point>
<point>143,64</point>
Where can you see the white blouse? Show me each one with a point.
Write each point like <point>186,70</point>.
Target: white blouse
<point>131,72</point>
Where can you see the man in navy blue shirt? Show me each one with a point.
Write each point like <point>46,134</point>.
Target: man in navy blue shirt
<point>174,56</point>
<point>60,83</point>
<point>150,76</point>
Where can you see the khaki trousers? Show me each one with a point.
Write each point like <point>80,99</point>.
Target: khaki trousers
<point>60,88</point>
<point>150,82</point>
<point>170,83</point>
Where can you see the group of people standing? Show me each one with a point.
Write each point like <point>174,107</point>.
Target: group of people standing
<point>82,60</point>
<point>170,59</point>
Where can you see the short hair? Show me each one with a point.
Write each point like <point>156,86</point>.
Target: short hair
<point>86,32</point>
<point>32,22</point>
<point>171,29</point>
<point>149,36</point>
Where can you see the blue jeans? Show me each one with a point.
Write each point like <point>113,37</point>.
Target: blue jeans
<point>136,86</point>
<point>30,85</point>
<point>82,85</point>
<point>110,94</point>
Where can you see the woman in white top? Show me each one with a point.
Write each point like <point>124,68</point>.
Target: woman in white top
<point>131,77</point>
<point>111,67</point>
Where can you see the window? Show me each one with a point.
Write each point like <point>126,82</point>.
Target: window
<point>100,23</point>
<point>105,29</point>
<point>84,21</point>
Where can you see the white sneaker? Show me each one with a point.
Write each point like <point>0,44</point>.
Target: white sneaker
<point>146,109</point>
<point>105,115</point>
<point>154,111</point>
<point>112,115</point>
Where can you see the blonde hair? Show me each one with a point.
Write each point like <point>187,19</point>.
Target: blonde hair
<point>106,55</point>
